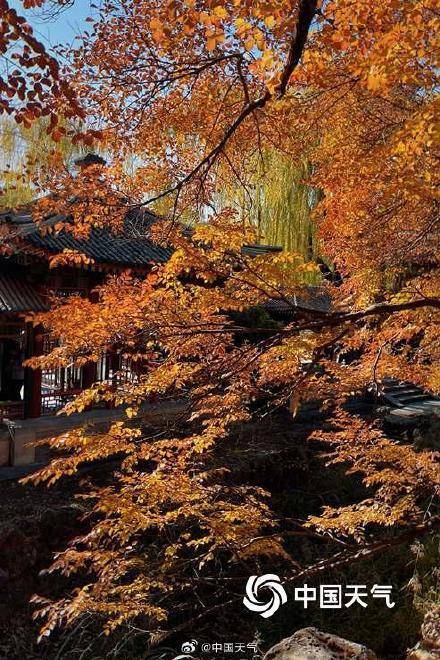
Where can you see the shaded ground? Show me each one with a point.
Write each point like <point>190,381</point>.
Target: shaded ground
<point>36,522</point>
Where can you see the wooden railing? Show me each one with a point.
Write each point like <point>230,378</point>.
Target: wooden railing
<point>11,410</point>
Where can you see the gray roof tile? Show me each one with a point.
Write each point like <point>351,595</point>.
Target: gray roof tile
<point>17,295</point>
<point>102,245</point>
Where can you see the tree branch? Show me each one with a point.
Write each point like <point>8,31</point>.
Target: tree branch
<point>343,558</point>
<point>307,10</point>
<point>326,319</point>
<point>337,318</point>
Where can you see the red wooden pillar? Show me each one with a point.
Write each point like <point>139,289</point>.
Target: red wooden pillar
<point>32,377</point>
<point>88,375</point>
<point>89,370</point>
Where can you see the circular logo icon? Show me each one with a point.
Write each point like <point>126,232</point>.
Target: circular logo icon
<point>269,584</point>
<point>190,646</point>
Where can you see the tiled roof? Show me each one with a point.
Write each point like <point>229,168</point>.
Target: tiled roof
<point>133,248</point>
<point>17,295</point>
<point>314,299</point>
<point>104,247</point>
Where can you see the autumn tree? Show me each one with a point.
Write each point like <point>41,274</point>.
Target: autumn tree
<point>199,91</point>
<point>31,80</point>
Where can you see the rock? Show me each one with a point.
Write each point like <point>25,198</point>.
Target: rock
<point>428,435</point>
<point>429,647</point>
<point>312,644</point>
<point>431,628</point>
<point>420,654</point>
<point>383,411</point>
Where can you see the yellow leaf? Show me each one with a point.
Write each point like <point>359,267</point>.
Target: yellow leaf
<point>220,12</point>
<point>269,22</point>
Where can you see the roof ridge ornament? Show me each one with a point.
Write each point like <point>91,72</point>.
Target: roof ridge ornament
<point>90,159</point>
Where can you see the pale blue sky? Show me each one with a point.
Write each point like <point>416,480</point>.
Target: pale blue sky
<point>62,29</point>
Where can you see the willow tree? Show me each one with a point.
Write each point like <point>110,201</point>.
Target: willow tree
<point>26,153</point>
<point>285,202</point>
<point>278,199</point>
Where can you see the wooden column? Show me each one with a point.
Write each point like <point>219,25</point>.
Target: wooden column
<point>114,360</point>
<point>32,377</point>
<point>88,375</point>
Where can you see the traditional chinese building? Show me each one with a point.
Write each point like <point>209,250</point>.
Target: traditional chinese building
<point>27,283</point>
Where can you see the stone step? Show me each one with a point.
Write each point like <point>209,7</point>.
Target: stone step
<point>414,397</point>
<point>403,392</point>
<point>413,413</point>
<point>428,405</point>
<point>396,387</point>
